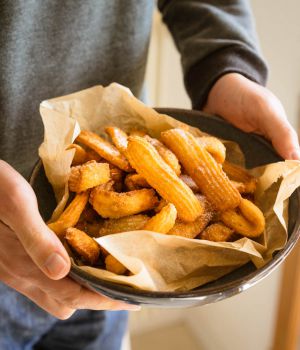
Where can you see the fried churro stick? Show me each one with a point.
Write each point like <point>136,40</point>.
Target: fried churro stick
<point>247,220</point>
<point>80,155</point>
<point>244,187</point>
<point>91,228</point>
<point>217,232</point>
<point>193,229</point>
<point>162,203</point>
<point>125,224</point>
<point>83,244</point>
<point>214,147</point>
<point>203,169</point>
<point>148,163</point>
<point>70,215</point>
<point>105,149</point>
<point>108,186</point>
<point>189,229</point>
<point>167,155</point>
<point>89,214</point>
<point>163,221</point>
<point>137,132</point>
<point>119,137</point>
<point>190,182</point>
<point>92,155</point>
<point>239,174</point>
<point>135,182</point>
<point>88,175</point>
<point>114,265</point>
<point>116,174</point>
<point>111,204</point>
<point>104,252</point>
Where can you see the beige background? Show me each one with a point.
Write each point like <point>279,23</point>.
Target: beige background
<point>245,321</point>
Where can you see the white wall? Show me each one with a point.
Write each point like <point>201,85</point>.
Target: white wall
<point>279,32</point>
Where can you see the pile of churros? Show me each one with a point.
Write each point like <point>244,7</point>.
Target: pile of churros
<point>178,184</point>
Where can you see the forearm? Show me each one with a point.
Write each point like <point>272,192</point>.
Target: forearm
<point>214,38</point>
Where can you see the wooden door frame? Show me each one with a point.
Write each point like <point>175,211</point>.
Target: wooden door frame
<point>287,326</point>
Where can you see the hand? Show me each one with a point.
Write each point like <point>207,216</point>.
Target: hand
<point>253,108</point>
<point>33,260</point>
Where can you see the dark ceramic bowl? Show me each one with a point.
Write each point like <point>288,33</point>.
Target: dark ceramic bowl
<point>257,152</point>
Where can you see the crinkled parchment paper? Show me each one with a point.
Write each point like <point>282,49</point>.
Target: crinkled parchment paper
<point>159,262</point>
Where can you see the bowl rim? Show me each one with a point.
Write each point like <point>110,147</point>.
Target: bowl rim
<point>230,288</point>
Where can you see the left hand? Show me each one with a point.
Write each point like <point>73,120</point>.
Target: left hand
<point>33,261</point>
<point>253,108</point>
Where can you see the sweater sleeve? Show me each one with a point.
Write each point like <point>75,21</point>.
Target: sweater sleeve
<point>214,38</point>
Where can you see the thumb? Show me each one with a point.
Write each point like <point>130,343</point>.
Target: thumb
<point>285,140</point>
<point>280,132</point>
<point>19,211</point>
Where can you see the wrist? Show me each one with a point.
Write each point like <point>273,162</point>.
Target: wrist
<point>226,94</point>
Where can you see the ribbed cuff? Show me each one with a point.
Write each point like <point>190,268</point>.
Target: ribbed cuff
<point>234,59</point>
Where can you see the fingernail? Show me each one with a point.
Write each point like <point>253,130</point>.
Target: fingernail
<point>296,155</point>
<point>55,265</point>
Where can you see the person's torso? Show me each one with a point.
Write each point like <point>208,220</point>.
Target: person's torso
<point>52,48</point>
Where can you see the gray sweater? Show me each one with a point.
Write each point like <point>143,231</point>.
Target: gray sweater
<point>51,48</point>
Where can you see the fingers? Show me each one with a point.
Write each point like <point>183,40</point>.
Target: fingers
<point>63,305</point>
<point>272,122</point>
<point>64,296</point>
<point>71,294</point>
<point>83,298</point>
<point>39,297</point>
<point>19,211</point>
<point>14,272</point>
<point>282,130</point>
<point>58,297</point>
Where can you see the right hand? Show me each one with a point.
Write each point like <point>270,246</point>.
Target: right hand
<point>33,261</point>
<point>253,108</point>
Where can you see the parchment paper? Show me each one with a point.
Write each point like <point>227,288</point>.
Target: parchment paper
<point>160,262</point>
